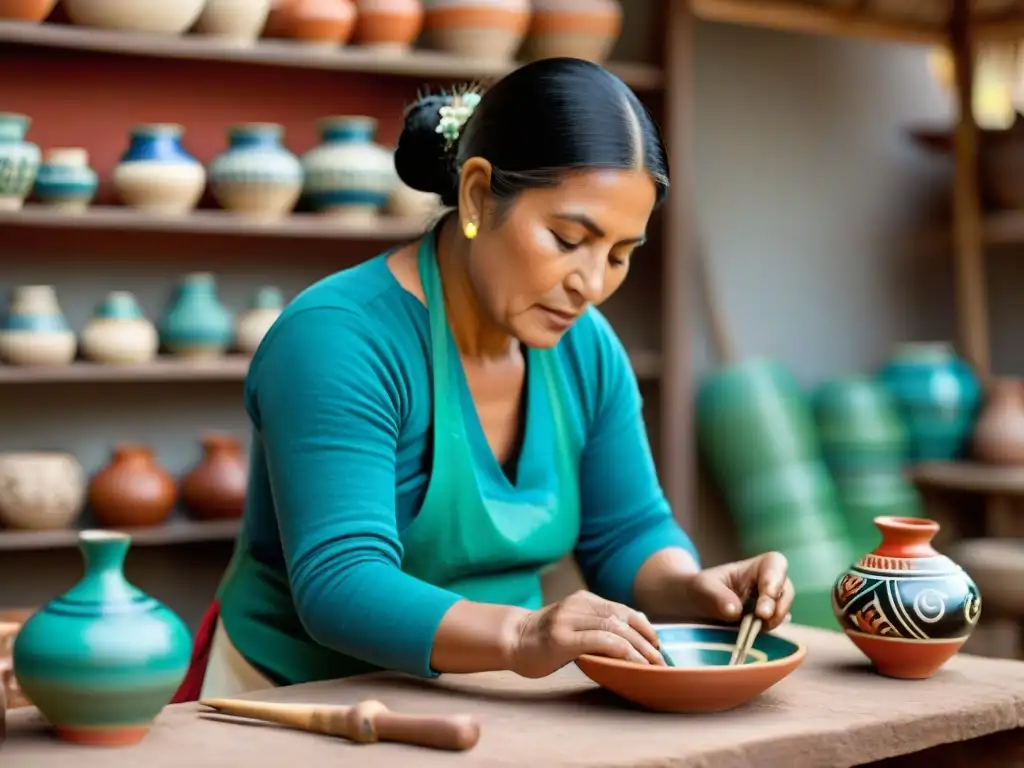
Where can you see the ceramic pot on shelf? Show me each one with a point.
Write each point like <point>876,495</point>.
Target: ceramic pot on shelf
<point>484,29</point>
<point>581,29</point>
<point>19,161</point>
<point>156,174</point>
<point>315,22</point>
<point>999,433</point>
<point>103,659</point>
<point>26,10</point>
<point>132,490</point>
<point>40,491</point>
<point>264,309</point>
<point>214,489</point>
<point>234,21</point>
<point>118,333</point>
<point>905,606</point>
<point>35,331</point>
<point>65,179</point>
<point>388,24</point>
<point>197,325</point>
<point>256,175</point>
<point>938,396</point>
<point>167,18</point>
<point>347,174</point>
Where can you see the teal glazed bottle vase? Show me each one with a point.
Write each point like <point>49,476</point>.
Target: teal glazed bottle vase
<point>938,395</point>
<point>347,175</point>
<point>256,175</point>
<point>197,325</point>
<point>102,660</point>
<point>65,180</point>
<point>19,161</point>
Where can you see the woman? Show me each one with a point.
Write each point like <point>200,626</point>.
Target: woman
<point>436,427</point>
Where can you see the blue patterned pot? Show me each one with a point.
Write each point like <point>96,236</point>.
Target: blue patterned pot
<point>65,179</point>
<point>156,174</point>
<point>938,396</point>
<point>19,161</point>
<point>102,660</point>
<point>197,325</point>
<point>256,175</point>
<point>34,331</point>
<point>348,175</point>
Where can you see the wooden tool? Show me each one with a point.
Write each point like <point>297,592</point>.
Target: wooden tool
<point>365,723</point>
<point>750,625</point>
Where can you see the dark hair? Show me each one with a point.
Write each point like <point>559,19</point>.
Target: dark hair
<point>534,125</point>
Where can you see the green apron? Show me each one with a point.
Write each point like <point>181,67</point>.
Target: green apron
<point>464,538</point>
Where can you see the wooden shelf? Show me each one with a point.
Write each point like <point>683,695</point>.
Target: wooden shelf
<point>177,531</point>
<point>300,225</point>
<point>282,53</point>
<point>647,366</point>
<point>969,476</point>
<point>169,369</point>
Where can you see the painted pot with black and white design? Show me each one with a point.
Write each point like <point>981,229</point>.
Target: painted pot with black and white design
<point>907,608</point>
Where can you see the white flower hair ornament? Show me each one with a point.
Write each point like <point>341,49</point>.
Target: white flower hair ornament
<point>454,116</point>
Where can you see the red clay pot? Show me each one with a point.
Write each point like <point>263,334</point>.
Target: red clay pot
<point>26,10</point>
<point>132,490</point>
<point>215,488</point>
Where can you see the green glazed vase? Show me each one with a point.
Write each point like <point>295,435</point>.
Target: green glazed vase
<point>103,659</point>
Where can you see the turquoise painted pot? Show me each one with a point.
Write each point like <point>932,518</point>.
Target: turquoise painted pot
<point>197,325</point>
<point>65,179</point>
<point>19,161</point>
<point>101,661</point>
<point>256,175</point>
<point>939,398</point>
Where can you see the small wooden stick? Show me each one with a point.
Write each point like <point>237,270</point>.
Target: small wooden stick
<point>365,723</point>
<point>750,625</point>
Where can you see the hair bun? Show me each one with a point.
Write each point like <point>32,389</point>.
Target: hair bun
<point>421,159</point>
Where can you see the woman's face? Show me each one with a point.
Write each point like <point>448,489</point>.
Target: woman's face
<point>556,251</point>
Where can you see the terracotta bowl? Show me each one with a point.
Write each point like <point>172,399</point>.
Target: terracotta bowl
<point>701,680</point>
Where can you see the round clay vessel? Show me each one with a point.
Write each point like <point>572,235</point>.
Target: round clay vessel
<point>26,10</point>
<point>905,606</point>
<point>132,490</point>
<point>580,29</point>
<point>388,24</point>
<point>40,491</point>
<point>234,21</point>
<point>215,488</point>
<point>486,29</point>
<point>317,22</point>
<point>171,18</point>
<point>264,309</point>
<point>256,175</point>
<point>19,161</point>
<point>118,333</point>
<point>197,324</point>
<point>65,180</point>
<point>156,174</point>
<point>35,331</point>
<point>102,660</point>
<point>999,433</point>
<point>700,679</point>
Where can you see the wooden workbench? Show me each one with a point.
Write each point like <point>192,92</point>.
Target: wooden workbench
<point>832,712</point>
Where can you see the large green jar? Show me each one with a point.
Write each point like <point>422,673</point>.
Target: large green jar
<point>197,325</point>
<point>102,660</point>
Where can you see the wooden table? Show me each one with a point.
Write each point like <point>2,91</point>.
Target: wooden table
<point>831,713</point>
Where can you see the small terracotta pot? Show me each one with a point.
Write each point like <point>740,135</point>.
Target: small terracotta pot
<point>999,432</point>
<point>322,22</point>
<point>132,490</point>
<point>215,488</point>
<point>26,10</point>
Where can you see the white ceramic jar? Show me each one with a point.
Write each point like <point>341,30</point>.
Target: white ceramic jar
<point>118,333</point>
<point>169,17</point>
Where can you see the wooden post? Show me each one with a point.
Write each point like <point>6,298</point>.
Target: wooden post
<point>678,434</point>
<point>968,238</point>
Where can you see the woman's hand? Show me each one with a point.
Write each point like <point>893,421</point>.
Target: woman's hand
<point>720,592</point>
<point>582,623</point>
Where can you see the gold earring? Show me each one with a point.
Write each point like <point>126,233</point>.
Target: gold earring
<point>471,230</point>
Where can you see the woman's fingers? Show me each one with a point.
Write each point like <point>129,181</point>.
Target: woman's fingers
<point>614,632</point>
<point>771,584</point>
<point>783,605</point>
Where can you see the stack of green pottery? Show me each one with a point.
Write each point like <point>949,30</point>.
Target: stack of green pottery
<point>938,396</point>
<point>865,444</point>
<point>102,660</point>
<point>757,435</point>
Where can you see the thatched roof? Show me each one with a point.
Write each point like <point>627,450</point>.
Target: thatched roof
<point>919,21</point>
